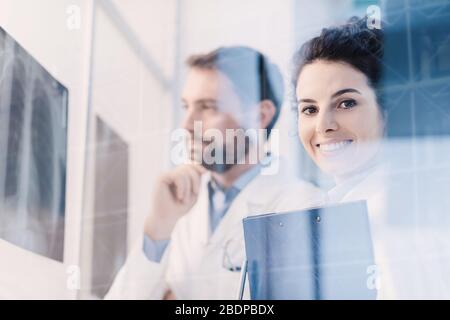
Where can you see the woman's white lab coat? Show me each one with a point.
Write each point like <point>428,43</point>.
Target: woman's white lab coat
<point>412,254</point>
<point>193,265</point>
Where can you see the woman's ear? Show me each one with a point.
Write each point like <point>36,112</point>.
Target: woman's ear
<point>267,111</point>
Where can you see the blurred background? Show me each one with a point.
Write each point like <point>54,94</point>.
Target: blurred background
<point>117,67</point>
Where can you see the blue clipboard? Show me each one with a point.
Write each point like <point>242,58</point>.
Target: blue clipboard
<point>318,253</point>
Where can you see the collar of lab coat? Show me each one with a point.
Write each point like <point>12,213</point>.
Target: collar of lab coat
<point>360,186</point>
<point>252,199</point>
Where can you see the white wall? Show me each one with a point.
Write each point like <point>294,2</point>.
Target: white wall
<point>131,38</point>
<point>130,99</point>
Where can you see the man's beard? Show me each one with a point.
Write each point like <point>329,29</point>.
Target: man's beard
<point>225,163</point>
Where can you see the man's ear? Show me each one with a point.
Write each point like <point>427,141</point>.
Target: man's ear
<point>267,111</point>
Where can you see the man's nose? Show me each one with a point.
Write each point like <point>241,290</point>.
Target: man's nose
<point>326,122</point>
<point>189,120</point>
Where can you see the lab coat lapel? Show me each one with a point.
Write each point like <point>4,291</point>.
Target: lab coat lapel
<point>200,212</point>
<point>256,198</point>
<point>246,201</point>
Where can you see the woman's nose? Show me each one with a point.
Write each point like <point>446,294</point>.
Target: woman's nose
<point>326,122</point>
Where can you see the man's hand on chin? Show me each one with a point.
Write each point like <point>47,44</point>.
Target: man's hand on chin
<point>175,193</point>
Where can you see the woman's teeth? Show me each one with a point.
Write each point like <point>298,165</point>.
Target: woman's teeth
<point>330,147</point>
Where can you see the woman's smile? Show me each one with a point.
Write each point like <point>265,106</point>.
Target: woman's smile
<point>333,148</point>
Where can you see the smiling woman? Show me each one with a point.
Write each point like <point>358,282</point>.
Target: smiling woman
<point>340,117</point>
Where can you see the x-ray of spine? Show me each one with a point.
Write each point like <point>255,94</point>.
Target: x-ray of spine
<point>33,142</point>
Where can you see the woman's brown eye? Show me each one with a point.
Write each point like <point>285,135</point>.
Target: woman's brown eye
<point>309,110</point>
<point>347,104</point>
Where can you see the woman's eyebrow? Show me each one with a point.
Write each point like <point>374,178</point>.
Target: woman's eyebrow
<point>341,92</point>
<point>336,94</point>
<point>306,100</point>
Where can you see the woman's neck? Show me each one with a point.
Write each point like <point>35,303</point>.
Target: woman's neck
<point>369,167</point>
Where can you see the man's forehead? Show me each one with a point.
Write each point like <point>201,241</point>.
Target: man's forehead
<point>206,84</point>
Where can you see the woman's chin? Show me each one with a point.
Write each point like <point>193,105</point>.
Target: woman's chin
<point>336,164</point>
<point>336,172</point>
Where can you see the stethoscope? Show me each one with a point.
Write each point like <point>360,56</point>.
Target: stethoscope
<point>227,261</point>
